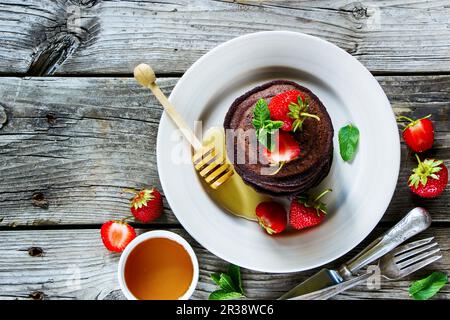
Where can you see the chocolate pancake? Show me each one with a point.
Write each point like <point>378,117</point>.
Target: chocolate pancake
<point>315,140</point>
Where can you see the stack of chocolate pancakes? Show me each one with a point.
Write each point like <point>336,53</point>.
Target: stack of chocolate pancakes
<point>315,140</point>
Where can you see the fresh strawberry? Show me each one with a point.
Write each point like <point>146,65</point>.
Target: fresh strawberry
<point>147,205</point>
<point>418,134</point>
<point>271,216</point>
<point>116,235</point>
<point>291,107</point>
<point>286,149</point>
<point>307,211</point>
<point>429,179</point>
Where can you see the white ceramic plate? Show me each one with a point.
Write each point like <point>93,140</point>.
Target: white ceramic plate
<point>362,189</point>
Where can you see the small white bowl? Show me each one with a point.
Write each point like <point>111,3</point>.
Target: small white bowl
<point>157,234</point>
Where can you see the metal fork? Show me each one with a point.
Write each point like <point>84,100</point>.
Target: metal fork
<point>395,265</point>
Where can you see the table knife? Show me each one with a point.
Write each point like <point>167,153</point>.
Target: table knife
<point>417,220</point>
<point>331,291</point>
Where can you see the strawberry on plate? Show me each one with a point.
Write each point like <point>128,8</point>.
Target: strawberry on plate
<point>291,107</point>
<point>147,205</point>
<point>429,179</point>
<point>286,149</point>
<point>271,216</point>
<point>307,211</point>
<point>116,235</point>
<point>418,134</point>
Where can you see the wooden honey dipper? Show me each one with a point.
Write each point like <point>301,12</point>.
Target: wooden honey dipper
<point>210,163</point>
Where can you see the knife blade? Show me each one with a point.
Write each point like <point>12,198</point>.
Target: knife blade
<point>322,279</point>
<point>414,222</point>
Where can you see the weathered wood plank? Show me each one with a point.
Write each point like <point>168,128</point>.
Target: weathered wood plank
<point>73,264</point>
<point>78,149</point>
<point>81,37</point>
<point>70,145</point>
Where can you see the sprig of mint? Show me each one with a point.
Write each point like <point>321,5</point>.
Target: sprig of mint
<point>348,141</point>
<point>230,284</point>
<point>426,288</point>
<point>265,128</point>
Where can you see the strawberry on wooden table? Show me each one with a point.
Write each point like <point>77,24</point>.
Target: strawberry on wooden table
<point>271,216</point>
<point>116,235</point>
<point>307,211</point>
<point>147,205</point>
<point>291,107</point>
<point>418,134</point>
<point>429,178</point>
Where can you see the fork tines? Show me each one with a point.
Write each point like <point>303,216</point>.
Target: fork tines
<point>416,255</point>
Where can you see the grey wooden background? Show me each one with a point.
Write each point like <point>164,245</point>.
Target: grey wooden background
<point>70,115</point>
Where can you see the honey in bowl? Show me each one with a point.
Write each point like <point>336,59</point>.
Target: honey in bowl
<point>158,269</point>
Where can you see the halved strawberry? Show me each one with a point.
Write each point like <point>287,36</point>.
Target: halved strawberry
<point>291,107</point>
<point>418,134</point>
<point>307,211</point>
<point>147,205</point>
<point>116,235</point>
<point>286,149</point>
<point>429,179</point>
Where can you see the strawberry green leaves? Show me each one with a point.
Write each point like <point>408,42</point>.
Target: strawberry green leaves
<point>299,112</point>
<point>426,288</point>
<point>230,284</point>
<point>265,128</point>
<point>348,141</point>
<point>425,169</point>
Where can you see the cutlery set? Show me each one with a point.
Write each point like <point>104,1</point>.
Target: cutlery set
<point>394,262</point>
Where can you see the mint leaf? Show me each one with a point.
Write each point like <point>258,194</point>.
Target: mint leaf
<point>235,274</point>
<point>215,277</point>
<point>348,141</point>
<point>426,288</point>
<point>261,113</point>
<point>272,126</point>
<point>226,283</point>
<point>230,284</point>
<point>265,138</point>
<point>265,128</point>
<point>224,295</point>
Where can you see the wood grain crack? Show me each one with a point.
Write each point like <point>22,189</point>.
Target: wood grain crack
<point>85,3</point>
<point>60,40</point>
<point>3,116</point>
<point>51,54</point>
